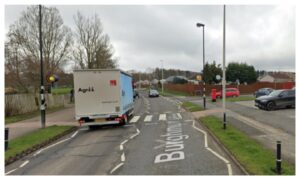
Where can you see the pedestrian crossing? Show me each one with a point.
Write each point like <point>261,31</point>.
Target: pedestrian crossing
<point>162,117</point>
<point>156,117</point>
<point>148,118</point>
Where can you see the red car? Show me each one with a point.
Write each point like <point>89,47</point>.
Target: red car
<point>230,92</point>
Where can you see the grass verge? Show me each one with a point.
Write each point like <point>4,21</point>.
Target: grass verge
<point>172,93</point>
<point>241,98</point>
<point>192,107</point>
<point>60,90</point>
<point>21,117</point>
<point>21,144</point>
<point>255,158</point>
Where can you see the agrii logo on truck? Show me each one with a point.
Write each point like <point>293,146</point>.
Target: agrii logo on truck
<point>84,90</point>
<point>91,89</point>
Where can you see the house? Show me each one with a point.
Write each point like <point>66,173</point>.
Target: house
<point>170,79</point>
<point>277,77</point>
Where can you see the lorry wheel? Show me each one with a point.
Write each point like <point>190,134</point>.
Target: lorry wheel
<point>126,120</point>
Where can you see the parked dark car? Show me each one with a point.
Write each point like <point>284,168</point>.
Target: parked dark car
<point>263,92</point>
<point>153,93</point>
<point>284,98</point>
<point>136,94</point>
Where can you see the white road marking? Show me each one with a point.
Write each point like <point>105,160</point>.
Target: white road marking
<point>51,146</point>
<point>133,136</point>
<point>135,119</point>
<point>229,169</point>
<point>213,152</point>
<point>74,134</point>
<point>148,118</point>
<point>121,147</point>
<point>123,157</point>
<point>125,141</point>
<point>162,117</point>
<point>179,115</point>
<point>188,120</point>
<point>11,171</point>
<point>203,132</point>
<point>218,155</point>
<point>26,162</point>
<point>117,167</point>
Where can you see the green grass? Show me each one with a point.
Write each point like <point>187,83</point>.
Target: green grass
<point>21,117</point>
<point>39,136</point>
<point>61,90</point>
<point>172,93</point>
<point>192,107</point>
<point>241,98</point>
<point>252,155</point>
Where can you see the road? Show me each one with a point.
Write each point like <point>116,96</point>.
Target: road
<point>161,139</point>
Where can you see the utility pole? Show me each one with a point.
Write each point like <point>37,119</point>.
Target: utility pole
<point>162,76</point>
<point>224,73</point>
<point>139,80</point>
<point>42,90</point>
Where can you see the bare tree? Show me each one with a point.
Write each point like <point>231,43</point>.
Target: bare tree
<point>24,34</point>
<point>93,46</point>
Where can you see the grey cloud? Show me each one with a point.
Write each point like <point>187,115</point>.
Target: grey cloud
<point>143,35</point>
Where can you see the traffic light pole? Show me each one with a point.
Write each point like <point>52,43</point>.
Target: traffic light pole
<point>42,90</point>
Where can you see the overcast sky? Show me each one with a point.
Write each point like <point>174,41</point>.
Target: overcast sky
<point>142,36</point>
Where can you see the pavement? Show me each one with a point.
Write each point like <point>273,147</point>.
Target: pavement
<point>160,139</point>
<point>65,116</point>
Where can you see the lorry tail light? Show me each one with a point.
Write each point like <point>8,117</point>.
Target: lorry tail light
<point>81,121</point>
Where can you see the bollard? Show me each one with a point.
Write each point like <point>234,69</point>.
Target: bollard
<point>6,138</point>
<point>224,121</point>
<point>278,160</point>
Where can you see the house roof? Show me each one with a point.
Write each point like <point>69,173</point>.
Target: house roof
<point>280,75</point>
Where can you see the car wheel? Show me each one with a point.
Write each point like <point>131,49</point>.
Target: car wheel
<point>270,106</point>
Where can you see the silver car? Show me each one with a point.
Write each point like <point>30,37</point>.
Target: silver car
<point>153,93</point>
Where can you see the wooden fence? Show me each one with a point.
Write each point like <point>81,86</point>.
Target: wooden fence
<point>193,89</point>
<point>25,103</point>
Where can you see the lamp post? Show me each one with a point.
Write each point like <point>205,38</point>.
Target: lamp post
<point>204,97</point>
<point>162,76</point>
<point>224,73</point>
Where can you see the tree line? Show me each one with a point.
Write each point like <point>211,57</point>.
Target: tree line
<point>87,46</point>
<point>235,73</point>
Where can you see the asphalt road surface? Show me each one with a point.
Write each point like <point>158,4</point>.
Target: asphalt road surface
<point>160,139</point>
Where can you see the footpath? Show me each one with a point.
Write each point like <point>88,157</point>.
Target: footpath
<point>63,117</point>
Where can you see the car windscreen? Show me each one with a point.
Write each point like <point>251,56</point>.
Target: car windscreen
<point>275,93</point>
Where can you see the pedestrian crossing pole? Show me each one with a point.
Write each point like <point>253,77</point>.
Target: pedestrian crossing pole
<point>224,74</point>
<point>42,90</point>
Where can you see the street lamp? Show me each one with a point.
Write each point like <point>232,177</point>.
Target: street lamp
<point>204,97</point>
<point>224,72</point>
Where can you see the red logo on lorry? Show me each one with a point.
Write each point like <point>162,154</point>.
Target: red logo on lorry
<point>113,82</point>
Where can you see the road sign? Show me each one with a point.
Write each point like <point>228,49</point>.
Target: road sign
<point>199,77</point>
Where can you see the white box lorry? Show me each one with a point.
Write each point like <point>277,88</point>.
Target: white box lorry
<point>103,96</point>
